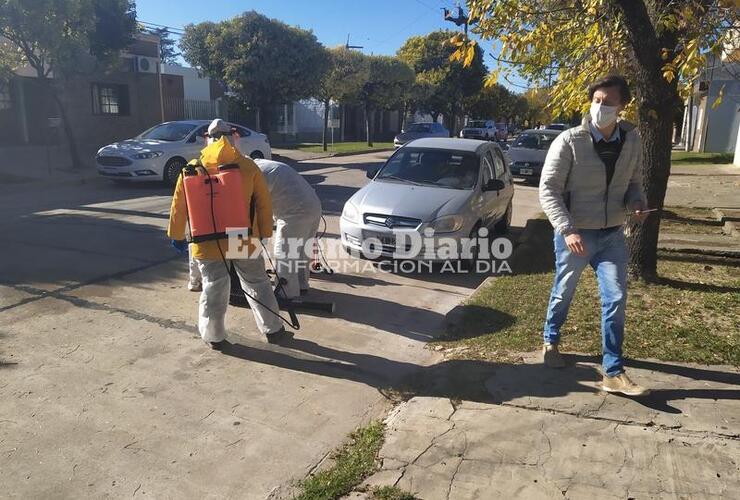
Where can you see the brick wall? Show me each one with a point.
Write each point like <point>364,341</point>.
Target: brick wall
<point>89,128</point>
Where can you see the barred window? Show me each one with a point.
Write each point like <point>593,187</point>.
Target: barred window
<point>5,100</point>
<point>109,99</point>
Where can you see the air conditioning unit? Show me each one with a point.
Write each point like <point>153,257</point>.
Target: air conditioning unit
<point>146,64</point>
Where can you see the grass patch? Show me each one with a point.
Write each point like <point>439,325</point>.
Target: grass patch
<point>339,147</point>
<point>392,493</point>
<point>687,220</point>
<point>352,463</point>
<point>692,316</point>
<point>689,157</point>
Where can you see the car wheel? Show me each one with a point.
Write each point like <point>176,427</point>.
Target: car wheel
<point>256,155</point>
<point>471,263</point>
<point>502,226</point>
<point>172,170</point>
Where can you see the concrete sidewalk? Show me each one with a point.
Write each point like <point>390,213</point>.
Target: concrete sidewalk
<point>708,186</point>
<point>48,165</point>
<point>552,434</point>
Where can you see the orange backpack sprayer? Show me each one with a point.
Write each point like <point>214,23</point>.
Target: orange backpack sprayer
<point>215,203</point>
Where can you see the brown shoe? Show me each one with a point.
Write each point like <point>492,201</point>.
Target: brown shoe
<point>622,384</point>
<point>553,358</point>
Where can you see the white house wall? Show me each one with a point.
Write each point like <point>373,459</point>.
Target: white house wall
<point>195,88</point>
<point>722,122</point>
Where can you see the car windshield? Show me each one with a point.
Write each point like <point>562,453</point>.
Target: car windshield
<point>435,167</point>
<point>420,127</point>
<point>170,132</point>
<point>534,141</point>
<point>477,124</point>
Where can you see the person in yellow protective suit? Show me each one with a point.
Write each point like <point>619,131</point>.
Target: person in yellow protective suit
<point>213,258</point>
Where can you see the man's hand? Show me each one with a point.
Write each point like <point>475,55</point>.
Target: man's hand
<point>640,216</point>
<point>575,244</point>
<point>638,212</point>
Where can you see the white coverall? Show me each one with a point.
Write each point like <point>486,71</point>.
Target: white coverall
<point>196,279</point>
<point>297,212</point>
<point>215,297</point>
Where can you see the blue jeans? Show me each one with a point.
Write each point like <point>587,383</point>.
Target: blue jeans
<point>606,252</point>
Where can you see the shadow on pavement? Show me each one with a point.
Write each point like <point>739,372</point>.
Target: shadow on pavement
<point>470,380</point>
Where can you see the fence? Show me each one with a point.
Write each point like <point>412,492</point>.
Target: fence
<point>189,109</point>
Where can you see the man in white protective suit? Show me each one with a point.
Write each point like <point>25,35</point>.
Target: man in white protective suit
<point>297,211</point>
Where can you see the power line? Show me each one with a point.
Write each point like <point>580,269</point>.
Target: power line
<point>171,29</point>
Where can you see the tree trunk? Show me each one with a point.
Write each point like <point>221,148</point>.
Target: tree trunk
<point>265,119</point>
<point>369,126</point>
<point>435,116</point>
<point>656,102</point>
<point>344,120</point>
<point>74,153</point>
<point>326,123</point>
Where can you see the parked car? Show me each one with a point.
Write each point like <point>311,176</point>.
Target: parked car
<point>419,131</point>
<point>160,153</point>
<point>557,126</point>
<point>527,152</point>
<point>453,186</point>
<point>479,129</point>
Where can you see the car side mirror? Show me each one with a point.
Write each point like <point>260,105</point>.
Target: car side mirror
<point>372,173</point>
<point>494,185</point>
<point>504,147</point>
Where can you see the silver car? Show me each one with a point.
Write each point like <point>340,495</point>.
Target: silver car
<point>419,131</point>
<point>451,186</point>
<point>528,152</point>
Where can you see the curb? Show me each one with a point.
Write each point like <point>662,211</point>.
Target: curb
<point>536,233</point>
<point>338,155</point>
<point>46,182</point>
<point>363,152</point>
<point>730,223</point>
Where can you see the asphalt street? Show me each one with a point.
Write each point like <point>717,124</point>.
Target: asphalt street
<point>106,390</point>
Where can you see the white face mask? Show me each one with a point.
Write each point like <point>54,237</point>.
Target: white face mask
<point>603,116</point>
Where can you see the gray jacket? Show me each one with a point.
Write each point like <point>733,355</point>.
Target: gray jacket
<point>573,190</point>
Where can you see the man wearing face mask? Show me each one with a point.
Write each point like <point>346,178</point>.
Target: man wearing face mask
<point>214,257</point>
<point>591,179</point>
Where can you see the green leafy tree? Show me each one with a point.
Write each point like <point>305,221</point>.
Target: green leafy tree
<point>343,82</point>
<point>660,45</point>
<point>492,102</point>
<point>386,87</point>
<point>55,37</point>
<point>446,83</point>
<point>263,61</point>
<point>167,46</point>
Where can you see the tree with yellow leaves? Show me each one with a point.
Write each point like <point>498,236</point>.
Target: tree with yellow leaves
<point>661,47</point>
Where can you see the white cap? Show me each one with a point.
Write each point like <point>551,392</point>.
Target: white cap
<point>218,125</point>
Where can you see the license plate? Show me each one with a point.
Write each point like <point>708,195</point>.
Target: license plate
<point>525,171</point>
<point>385,239</point>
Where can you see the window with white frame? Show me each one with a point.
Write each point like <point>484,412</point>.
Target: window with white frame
<point>6,102</point>
<point>109,99</point>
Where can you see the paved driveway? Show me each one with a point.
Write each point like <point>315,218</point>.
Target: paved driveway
<point>106,391</point>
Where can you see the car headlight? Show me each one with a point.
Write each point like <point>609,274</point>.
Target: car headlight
<point>148,155</point>
<point>350,213</point>
<point>447,224</point>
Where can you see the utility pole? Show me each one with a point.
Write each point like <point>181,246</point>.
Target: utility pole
<point>348,46</point>
<point>462,18</point>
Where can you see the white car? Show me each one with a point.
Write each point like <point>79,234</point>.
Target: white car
<point>160,153</point>
<point>484,130</point>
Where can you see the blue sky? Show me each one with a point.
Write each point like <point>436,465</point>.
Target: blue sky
<point>380,26</point>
